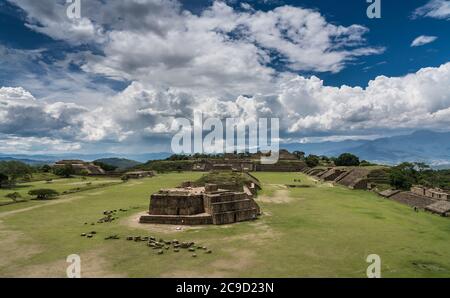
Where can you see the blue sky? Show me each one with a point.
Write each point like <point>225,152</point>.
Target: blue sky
<point>117,78</point>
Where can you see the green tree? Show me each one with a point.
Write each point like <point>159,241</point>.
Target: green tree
<point>347,160</point>
<point>43,194</point>
<point>299,154</point>
<point>66,171</point>
<point>46,168</point>
<point>312,161</point>
<point>15,170</point>
<point>105,167</point>
<point>4,179</point>
<point>403,176</point>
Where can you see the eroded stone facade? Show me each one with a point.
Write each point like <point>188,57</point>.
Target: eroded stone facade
<point>200,205</point>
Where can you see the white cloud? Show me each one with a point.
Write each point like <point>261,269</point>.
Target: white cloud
<point>423,40</point>
<point>144,113</point>
<point>438,9</point>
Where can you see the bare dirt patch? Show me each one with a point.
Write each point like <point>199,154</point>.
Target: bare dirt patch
<point>280,196</point>
<point>11,248</point>
<point>46,203</point>
<point>224,267</point>
<point>93,265</point>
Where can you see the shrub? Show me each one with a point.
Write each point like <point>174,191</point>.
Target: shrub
<point>43,194</point>
<point>312,161</point>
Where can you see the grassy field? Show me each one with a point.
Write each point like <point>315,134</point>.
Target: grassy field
<point>60,185</point>
<point>312,230</point>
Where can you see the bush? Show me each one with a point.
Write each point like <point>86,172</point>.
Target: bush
<point>347,160</point>
<point>67,171</point>
<point>403,176</point>
<point>312,161</point>
<point>43,194</point>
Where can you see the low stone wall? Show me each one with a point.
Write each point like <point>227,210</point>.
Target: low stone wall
<point>162,204</point>
<point>234,216</point>
<point>177,220</point>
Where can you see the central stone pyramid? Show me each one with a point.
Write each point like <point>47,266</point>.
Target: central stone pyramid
<point>209,204</point>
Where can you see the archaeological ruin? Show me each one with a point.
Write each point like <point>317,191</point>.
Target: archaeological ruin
<point>81,167</point>
<point>202,205</point>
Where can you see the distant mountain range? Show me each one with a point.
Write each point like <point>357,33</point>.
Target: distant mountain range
<point>120,163</point>
<point>426,146</point>
<point>51,158</point>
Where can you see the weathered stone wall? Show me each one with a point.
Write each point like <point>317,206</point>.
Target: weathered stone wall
<point>354,178</point>
<point>205,219</point>
<point>163,204</point>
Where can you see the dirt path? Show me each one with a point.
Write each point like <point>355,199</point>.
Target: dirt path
<point>43,204</point>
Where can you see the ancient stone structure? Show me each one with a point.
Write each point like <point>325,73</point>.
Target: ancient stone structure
<point>287,163</point>
<point>139,174</point>
<point>434,193</point>
<point>200,206</point>
<point>81,167</point>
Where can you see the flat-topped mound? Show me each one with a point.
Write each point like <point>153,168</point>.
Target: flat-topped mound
<point>440,207</point>
<point>412,200</point>
<point>228,200</point>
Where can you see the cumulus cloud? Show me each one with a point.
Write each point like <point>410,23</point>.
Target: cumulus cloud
<point>438,9</point>
<point>168,42</point>
<point>423,40</point>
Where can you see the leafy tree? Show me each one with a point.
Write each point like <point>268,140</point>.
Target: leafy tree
<point>312,161</point>
<point>67,171</point>
<point>403,176</point>
<point>43,194</point>
<point>4,179</point>
<point>14,170</point>
<point>299,154</point>
<point>105,167</point>
<point>46,168</point>
<point>347,160</point>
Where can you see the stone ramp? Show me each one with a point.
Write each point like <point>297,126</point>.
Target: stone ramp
<point>440,207</point>
<point>332,174</point>
<point>355,179</point>
<point>413,200</point>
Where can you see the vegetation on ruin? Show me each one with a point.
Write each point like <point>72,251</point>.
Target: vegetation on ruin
<point>224,177</point>
<point>320,231</point>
